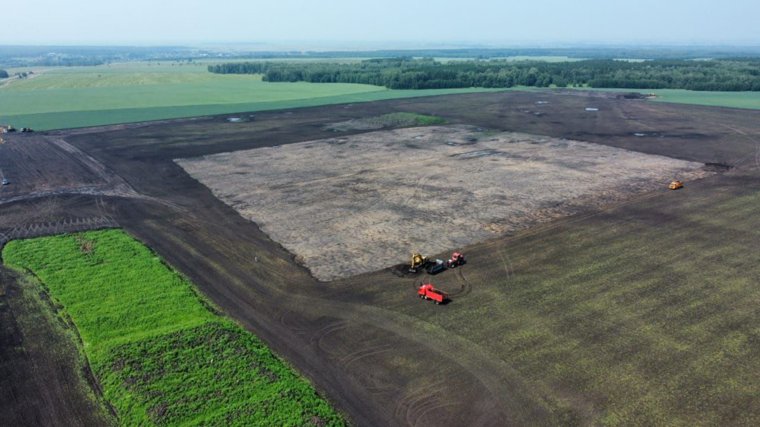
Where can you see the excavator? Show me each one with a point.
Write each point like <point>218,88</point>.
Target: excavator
<point>418,261</point>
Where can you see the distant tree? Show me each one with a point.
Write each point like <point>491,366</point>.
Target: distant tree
<point>426,73</point>
<point>3,74</point>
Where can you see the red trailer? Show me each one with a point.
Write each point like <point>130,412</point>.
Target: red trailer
<point>428,291</point>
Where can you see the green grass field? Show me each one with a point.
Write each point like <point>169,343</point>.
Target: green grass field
<point>56,98</point>
<point>746,100</point>
<point>749,100</point>
<point>160,352</point>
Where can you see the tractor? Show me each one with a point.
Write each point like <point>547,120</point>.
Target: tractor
<point>457,259</point>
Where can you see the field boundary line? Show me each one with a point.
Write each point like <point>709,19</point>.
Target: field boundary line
<point>52,228</point>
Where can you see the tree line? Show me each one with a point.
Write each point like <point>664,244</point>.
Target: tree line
<point>738,74</point>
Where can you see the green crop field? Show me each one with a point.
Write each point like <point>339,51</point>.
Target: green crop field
<point>749,100</point>
<point>56,98</point>
<point>159,351</point>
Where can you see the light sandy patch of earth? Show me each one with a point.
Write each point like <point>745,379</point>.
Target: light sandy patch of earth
<point>356,204</point>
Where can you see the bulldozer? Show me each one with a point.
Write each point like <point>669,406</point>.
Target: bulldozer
<point>675,185</point>
<point>418,261</point>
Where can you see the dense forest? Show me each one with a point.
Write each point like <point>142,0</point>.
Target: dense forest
<point>410,73</point>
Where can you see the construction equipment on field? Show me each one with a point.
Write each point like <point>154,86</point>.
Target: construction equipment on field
<point>418,261</point>
<point>429,292</point>
<point>675,185</point>
<point>457,259</point>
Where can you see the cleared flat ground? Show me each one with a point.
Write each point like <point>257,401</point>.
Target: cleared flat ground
<point>360,203</point>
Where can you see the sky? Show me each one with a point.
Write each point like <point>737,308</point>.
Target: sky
<point>382,23</point>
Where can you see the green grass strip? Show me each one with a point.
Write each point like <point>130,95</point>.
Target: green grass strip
<point>162,357</point>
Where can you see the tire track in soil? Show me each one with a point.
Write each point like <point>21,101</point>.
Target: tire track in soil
<point>508,398</point>
<point>364,353</point>
<point>465,285</point>
<point>416,403</point>
<point>299,328</point>
<point>505,384</point>
<point>753,157</point>
<point>319,336</point>
<point>502,382</point>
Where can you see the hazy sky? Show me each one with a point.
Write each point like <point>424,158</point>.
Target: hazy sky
<point>436,21</point>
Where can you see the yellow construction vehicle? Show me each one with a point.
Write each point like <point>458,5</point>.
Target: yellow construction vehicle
<point>675,185</point>
<point>418,261</point>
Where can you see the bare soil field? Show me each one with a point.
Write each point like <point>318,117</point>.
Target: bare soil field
<point>353,205</point>
<point>644,312</point>
<point>36,166</point>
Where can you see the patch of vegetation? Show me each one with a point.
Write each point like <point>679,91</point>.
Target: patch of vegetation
<point>3,74</point>
<point>390,120</point>
<point>412,119</point>
<point>745,100</point>
<point>749,100</point>
<point>162,356</point>
<point>213,374</point>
